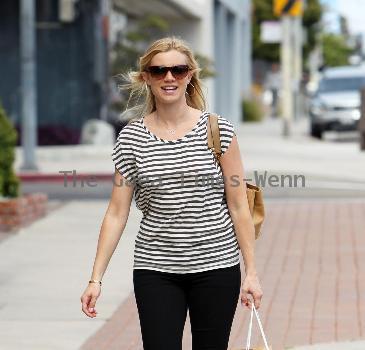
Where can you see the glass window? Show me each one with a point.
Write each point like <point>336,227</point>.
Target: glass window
<point>341,84</point>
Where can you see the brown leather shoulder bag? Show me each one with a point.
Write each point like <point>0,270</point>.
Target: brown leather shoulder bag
<point>254,193</point>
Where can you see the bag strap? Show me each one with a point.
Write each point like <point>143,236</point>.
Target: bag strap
<point>250,328</point>
<point>214,141</point>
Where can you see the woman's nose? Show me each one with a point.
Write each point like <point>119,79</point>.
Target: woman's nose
<point>169,76</point>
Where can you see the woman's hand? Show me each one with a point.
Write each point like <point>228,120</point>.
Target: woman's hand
<point>252,286</point>
<point>88,299</point>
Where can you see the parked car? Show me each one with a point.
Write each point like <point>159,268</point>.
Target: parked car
<point>336,104</point>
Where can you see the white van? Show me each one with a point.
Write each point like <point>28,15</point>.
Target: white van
<point>336,104</point>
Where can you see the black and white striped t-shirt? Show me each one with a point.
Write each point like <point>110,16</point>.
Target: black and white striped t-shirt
<point>186,226</point>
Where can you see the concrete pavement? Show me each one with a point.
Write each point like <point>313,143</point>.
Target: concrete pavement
<point>261,145</point>
<point>332,159</point>
<point>44,270</point>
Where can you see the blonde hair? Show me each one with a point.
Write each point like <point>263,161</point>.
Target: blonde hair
<point>136,84</point>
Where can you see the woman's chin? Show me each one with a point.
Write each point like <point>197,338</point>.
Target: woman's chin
<point>165,98</point>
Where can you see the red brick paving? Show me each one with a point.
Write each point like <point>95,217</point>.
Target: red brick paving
<point>311,263</point>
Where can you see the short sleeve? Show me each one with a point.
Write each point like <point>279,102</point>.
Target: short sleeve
<point>226,131</point>
<point>123,155</point>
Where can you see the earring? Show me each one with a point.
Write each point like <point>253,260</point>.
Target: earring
<point>193,89</point>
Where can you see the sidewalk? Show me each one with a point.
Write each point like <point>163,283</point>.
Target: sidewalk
<point>311,265</point>
<point>262,147</point>
<point>310,258</point>
<point>44,270</point>
<point>84,159</point>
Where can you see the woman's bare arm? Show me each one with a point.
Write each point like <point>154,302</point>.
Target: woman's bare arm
<point>235,189</point>
<point>113,224</point>
<point>237,202</point>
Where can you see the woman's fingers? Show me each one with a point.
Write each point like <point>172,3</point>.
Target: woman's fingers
<point>251,286</point>
<point>244,297</point>
<point>88,305</point>
<point>257,300</point>
<point>84,302</point>
<point>248,302</point>
<point>257,295</point>
<point>92,304</point>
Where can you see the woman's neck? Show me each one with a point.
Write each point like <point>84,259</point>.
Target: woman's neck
<point>172,115</point>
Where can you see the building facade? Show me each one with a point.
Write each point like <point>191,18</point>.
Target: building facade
<point>72,47</point>
<point>70,60</point>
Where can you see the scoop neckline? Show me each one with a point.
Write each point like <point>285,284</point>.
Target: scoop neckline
<point>176,140</point>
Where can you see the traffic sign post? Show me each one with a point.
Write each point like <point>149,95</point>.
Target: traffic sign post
<point>290,12</point>
<point>288,7</point>
<point>287,71</point>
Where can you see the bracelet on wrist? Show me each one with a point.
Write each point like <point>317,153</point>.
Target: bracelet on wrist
<point>95,281</point>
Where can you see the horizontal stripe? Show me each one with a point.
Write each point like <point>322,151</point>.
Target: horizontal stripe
<point>186,226</point>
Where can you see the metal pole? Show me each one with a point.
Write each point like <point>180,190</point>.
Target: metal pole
<point>100,67</point>
<point>106,11</point>
<point>286,68</point>
<point>28,83</point>
<point>297,63</point>
<point>247,50</point>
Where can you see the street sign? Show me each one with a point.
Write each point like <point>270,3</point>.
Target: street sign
<point>270,32</point>
<point>288,7</point>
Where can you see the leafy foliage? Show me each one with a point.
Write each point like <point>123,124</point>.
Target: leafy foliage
<point>263,11</point>
<point>9,182</point>
<point>252,110</point>
<point>311,19</point>
<point>336,52</point>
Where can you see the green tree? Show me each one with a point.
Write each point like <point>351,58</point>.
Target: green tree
<point>336,52</point>
<point>9,182</point>
<point>263,11</point>
<point>311,21</point>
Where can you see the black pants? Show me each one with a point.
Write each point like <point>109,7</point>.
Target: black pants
<point>163,300</point>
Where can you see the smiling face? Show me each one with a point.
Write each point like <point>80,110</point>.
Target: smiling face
<point>159,87</point>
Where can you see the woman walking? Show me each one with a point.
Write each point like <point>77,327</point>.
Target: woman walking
<point>194,224</point>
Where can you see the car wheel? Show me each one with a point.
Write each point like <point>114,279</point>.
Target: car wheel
<point>316,131</point>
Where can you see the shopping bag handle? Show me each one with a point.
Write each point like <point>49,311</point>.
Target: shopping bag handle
<point>250,329</point>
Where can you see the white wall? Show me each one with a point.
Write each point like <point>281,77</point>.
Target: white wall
<point>198,33</point>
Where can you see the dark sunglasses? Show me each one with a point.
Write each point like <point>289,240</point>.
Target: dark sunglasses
<point>159,72</point>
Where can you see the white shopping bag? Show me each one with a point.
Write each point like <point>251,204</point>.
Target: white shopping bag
<point>266,347</point>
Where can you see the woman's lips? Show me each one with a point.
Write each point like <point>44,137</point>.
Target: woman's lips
<point>169,91</point>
